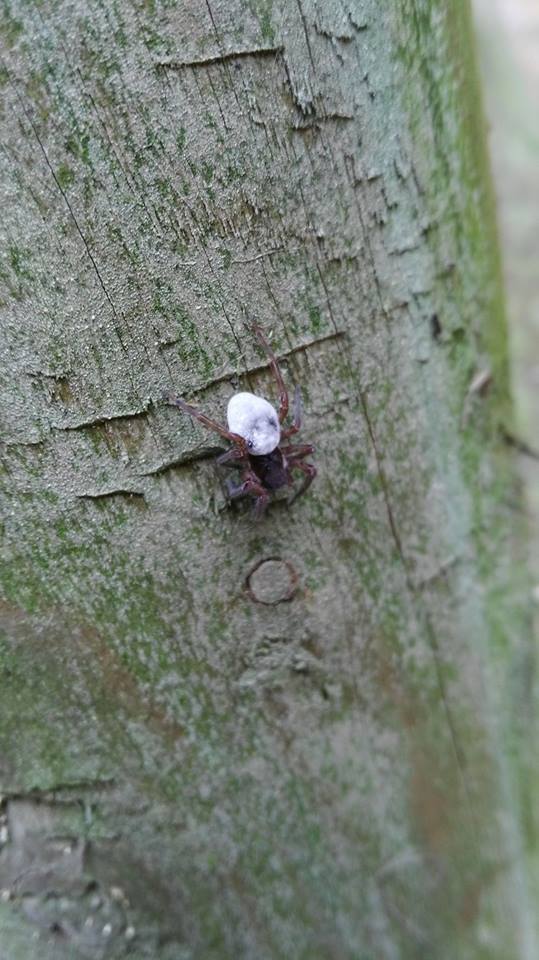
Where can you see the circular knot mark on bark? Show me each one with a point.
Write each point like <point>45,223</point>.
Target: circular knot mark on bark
<point>272,581</point>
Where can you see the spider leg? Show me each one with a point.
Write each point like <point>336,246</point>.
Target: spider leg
<point>207,422</point>
<point>295,450</point>
<point>232,458</point>
<point>261,503</point>
<point>310,472</point>
<point>296,419</point>
<point>283,392</point>
<point>250,487</point>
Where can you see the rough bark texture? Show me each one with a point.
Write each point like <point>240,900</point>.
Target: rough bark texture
<point>187,772</point>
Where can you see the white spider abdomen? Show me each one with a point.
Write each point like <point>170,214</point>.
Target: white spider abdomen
<point>256,420</point>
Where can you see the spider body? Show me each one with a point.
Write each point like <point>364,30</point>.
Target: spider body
<point>256,432</point>
<point>271,469</point>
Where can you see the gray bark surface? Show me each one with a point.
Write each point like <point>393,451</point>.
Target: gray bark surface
<point>193,764</point>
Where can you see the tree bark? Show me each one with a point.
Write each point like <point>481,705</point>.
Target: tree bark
<point>195,764</point>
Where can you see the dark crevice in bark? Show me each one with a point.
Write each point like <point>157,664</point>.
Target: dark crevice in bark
<point>218,58</point>
<point>134,495</point>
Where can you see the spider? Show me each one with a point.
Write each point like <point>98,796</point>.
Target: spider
<point>254,429</point>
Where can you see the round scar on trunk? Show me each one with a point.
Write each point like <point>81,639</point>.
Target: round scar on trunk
<point>272,581</point>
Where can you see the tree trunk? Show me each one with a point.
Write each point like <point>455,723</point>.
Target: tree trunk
<point>194,763</point>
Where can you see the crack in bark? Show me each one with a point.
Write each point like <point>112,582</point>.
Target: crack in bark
<point>22,443</point>
<point>101,421</point>
<point>324,32</point>
<point>358,25</point>
<point>206,453</point>
<point>366,233</point>
<point>49,794</point>
<point>258,256</point>
<point>382,477</point>
<point>306,33</point>
<point>318,119</point>
<point>117,492</point>
<point>305,106</point>
<point>223,57</point>
<point>232,374</point>
<point>47,375</point>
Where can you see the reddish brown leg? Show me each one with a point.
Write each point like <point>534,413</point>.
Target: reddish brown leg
<point>232,458</point>
<point>310,473</point>
<point>296,420</point>
<point>294,450</point>
<point>250,488</point>
<point>210,424</point>
<point>261,503</point>
<point>283,393</point>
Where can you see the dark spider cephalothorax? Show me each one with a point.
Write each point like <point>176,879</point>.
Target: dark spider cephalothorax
<point>254,429</point>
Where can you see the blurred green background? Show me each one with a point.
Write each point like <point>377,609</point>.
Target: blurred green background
<point>508,39</point>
